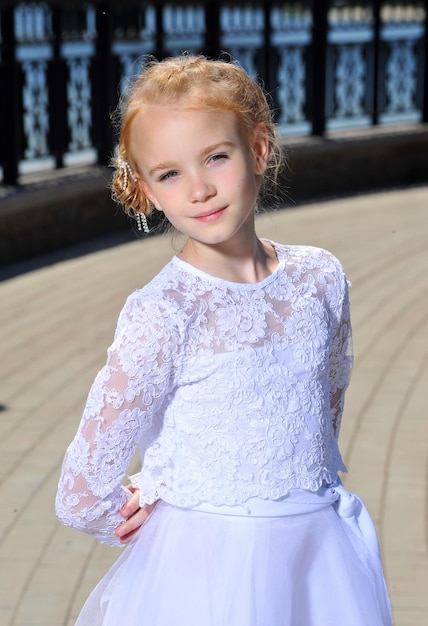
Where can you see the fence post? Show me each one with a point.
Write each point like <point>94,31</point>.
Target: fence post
<point>425,74</point>
<point>267,70</point>
<point>159,34</point>
<point>104,83</point>
<point>212,29</point>
<point>59,131</point>
<point>376,60</point>
<point>319,60</point>
<point>10,99</point>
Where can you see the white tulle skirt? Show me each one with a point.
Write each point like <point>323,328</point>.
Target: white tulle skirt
<point>311,561</point>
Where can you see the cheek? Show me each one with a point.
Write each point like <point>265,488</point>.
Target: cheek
<point>249,179</point>
<point>166,199</point>
<point>153,197</point>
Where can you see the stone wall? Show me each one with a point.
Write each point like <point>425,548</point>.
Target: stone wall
<point>355,161</point>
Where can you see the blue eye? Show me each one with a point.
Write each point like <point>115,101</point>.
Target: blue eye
<point>167,176</point>
<point>219,157</point>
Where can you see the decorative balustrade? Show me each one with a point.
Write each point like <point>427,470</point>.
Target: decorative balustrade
<point>327,64</point>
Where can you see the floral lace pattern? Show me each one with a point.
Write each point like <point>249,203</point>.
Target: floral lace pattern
<point>229,391</point>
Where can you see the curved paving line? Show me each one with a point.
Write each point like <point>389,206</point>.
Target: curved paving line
<point>88,361</point>
<point>50,321</point>
<point>50,425</point>
<point>404,506</point>
<point>379,280</point>
<point>24,602</point>
<point>377,382</point>
<point>423,364</point>
<point>70,609</point>
<point>20,583</point>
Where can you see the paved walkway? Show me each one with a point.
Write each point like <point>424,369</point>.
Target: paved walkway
<point>55,325</point>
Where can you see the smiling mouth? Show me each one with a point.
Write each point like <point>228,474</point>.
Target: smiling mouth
<point>210,216</point>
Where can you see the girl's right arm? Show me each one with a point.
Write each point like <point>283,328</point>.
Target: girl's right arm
<point>123,405</point>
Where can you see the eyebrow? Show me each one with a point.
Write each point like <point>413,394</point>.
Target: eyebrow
<point>167,165</point>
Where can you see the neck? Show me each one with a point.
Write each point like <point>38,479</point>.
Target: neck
<point>251,262</point>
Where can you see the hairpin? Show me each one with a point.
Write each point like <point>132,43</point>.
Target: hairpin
<point>127,170</point>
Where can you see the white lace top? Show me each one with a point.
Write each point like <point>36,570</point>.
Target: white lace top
<point>229,390</point>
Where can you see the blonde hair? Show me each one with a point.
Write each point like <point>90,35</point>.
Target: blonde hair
<point>197,83</point>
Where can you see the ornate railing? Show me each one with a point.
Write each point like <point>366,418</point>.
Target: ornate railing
<point>327,64</point>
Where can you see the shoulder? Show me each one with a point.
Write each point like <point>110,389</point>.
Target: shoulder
<point>310,258</point>
<point>315,266</point>
<point>313,256</point>
<point>150,306</point>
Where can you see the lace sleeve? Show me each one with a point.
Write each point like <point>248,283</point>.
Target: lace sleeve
<point>122,406</point>
<point>341,356</point>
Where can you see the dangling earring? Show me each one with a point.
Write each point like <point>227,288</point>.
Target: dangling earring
<point>142,223</point>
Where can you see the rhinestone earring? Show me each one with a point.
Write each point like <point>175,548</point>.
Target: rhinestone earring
<point>142,223</point>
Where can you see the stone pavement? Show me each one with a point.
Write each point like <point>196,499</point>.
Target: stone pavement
<point>57,321</point>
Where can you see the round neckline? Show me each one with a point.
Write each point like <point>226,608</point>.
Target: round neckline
<point>195,271</point>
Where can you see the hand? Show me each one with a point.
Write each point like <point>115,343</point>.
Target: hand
<point>134,515</point>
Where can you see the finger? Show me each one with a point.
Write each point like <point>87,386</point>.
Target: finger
<point>127,530</point>
<point>127,538</point>
<point>132,506</point>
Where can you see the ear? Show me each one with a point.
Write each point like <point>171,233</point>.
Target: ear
<point>148,193</point>
<point>260,149</point>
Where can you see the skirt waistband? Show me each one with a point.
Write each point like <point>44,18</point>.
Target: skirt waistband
<point>297,502</point>
<point>347,505</point>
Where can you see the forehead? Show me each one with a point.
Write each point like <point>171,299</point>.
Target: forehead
<point>166,128</point>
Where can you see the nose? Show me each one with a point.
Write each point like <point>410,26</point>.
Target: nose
<point>201,189</point>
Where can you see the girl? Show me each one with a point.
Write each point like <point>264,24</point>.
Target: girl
<point>228,372</point>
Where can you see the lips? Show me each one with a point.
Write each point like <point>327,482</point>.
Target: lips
<point>210,216</point>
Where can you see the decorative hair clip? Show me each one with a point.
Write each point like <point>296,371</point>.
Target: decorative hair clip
<point>127,171</point>
<point>140,218</point>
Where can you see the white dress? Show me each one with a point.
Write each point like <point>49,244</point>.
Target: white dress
<point>233,394</point>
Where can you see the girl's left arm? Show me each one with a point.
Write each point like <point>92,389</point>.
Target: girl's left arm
<point>341,355</point>
<point>123,405</point>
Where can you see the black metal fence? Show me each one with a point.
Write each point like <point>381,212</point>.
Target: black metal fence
<point>327,64</point>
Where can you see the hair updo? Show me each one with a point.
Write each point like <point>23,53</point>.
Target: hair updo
<point>197,83</point>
